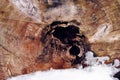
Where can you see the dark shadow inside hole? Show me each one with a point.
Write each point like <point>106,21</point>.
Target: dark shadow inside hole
<point>66,34</point>
<point>59,33</point>
<point>117,75</point>
<point>78,60</point>
<point>74,50</point>
<point>54,23</point>
<point>72,29</point>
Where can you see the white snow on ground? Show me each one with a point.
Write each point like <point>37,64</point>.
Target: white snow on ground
<point>96,71</point>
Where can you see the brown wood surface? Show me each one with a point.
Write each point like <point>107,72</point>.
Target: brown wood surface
<point>20,33</point>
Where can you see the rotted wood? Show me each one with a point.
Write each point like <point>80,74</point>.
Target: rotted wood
<point>35,35</point>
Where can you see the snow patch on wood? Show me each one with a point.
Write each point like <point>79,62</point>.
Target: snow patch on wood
<point>94,71</point>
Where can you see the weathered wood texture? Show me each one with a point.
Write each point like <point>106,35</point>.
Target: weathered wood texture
<point>20,31</point>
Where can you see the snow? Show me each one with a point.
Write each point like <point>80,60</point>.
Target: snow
<point>96,70</point>
<point>91,60</point>
<point>116,63</point>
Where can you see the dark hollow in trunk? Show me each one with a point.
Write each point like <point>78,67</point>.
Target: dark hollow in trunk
<point>74,50</point>
<point>58,39</point>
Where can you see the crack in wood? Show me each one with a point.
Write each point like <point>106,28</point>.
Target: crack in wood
<point>5,48</point>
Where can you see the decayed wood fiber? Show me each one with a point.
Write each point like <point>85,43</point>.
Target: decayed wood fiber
<point>100,22</point>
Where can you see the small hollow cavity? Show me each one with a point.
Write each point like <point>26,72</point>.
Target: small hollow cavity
<point>74,50</point>
<point>60,37</point>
